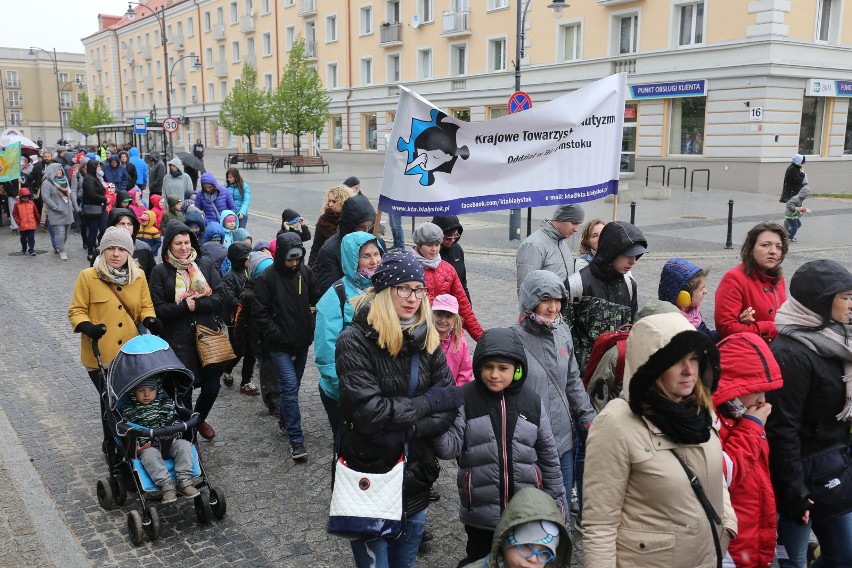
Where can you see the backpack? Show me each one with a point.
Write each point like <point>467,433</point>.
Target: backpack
<point>340,290</point>
<point>599,391</point>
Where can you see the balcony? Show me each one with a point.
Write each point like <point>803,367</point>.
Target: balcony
<point>624,66</point>
<point>455,24</point>
<point>96,64</point>
<point>251,59</point>
<point>247,23</point>
<point>311,49</point>
<point>219,31</point>
<point>307,8</point>
<point>179,77</point>
<point>178,43</point>
<point>390,34</point>
<point>148,82</point>
<point>458,85</point>
<point>221,69</point>
<point>146,52</point>
<point>131,86</point>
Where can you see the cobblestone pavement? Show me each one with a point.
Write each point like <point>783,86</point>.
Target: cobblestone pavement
<point>276,508</point>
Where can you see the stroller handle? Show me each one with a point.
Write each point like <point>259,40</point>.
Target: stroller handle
<point>125,428</point>
<point>96,350</point>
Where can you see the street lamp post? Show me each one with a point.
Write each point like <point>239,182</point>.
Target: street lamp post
<point>557,6</point>
<point>160,14</point>
<point>32,55</point>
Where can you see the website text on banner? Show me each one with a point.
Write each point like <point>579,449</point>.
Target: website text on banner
<point>563,151</point>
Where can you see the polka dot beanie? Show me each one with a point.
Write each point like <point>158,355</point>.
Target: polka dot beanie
<point>397,268</point>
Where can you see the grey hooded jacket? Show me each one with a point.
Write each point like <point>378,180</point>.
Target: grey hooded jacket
<point>176,186</point>
<point>545,249</point>
<point>60,207</point>
<point>158,172</point>
<point>552,369</point>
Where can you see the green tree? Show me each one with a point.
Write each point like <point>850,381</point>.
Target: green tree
<point>245,111</point>
<point>300,103</point>
<point>85,117</point>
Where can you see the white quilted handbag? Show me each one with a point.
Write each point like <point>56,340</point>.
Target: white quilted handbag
<point>366,505</point>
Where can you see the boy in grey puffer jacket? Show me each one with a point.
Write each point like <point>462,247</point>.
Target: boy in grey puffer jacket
<point>794,211</point>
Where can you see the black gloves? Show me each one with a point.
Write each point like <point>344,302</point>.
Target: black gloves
<point>90,329</point>
<point>153,325</point>
<point>438,399</point>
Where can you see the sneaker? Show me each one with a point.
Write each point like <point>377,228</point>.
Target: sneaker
<point>434,495</point>
<point>250,389</point>
<point>23,251</point>
<point>32,253</point>
<point>55,250</point>
<point>206,431</point>
<point>272,412</point>
<point>228,379</point>
<point>298,451</point>
<point>187,489</point>
<point>63,255</point>
<point>169,493</point>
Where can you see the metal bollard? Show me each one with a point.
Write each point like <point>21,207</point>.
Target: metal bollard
<point>529,221</point>
<point>729,243</point>
<point>412,225</point>
<point>632,212</point>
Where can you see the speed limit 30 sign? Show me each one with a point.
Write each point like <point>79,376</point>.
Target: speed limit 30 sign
<point>170,124</point>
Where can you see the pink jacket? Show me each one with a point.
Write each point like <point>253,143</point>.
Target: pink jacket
<point>458,361</point>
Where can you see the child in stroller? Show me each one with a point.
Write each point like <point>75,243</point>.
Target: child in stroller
<point>152,408</point>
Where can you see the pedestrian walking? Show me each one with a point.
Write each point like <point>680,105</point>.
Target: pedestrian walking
<point>241,192</point>
<point>61,202</point>
<point>448,323</point>
<point>793,212</point>
<point>233,284</point>
<point>156,173</point>
<point>547,248</point>
<point>142,253</point>
<point>177,183</point>
<point>327,222</point>
<point>27,218</point>
<point>794,178</point>
<point>213,199</point>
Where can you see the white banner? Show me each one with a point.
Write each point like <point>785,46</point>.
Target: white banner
<point>563,151</point>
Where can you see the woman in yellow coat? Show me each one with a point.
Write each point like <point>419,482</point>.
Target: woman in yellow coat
<point>111,299</point>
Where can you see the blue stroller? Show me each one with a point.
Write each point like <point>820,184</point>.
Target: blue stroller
<point>139,359</point>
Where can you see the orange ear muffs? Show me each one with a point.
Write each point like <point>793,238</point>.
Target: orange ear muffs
<point>684,298</point>
<point>519,373</point>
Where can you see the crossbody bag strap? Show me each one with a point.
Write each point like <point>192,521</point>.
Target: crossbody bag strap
<point>121,301</point>
<point>712,516</point>
<point>550,377</point>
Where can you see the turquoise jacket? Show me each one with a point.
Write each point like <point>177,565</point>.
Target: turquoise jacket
<point>241,200</point>
<point>229,234</point>
<point>330,318</point>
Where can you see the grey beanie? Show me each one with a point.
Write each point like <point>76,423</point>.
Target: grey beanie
<point>116,237</point>
<point>428,233</point>
<point>572,212</point>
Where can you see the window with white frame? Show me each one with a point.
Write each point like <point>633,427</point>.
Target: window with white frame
<point>365,20</point>
<point>458,59</point>
<point>289,3</point>
<point>207,23</point>
<point>79,78</point>
<point>570,41</point>
<point>15,118</point>
<point>627,33</point>
<point>235,52</point>
<point>193,93</point>
<point>424,63</point>
<point>497,4</point>
<point>265,7</point>
<point>289,37</point>
<point>211,93</point>
<point>63,77</point>
<point>66,116</point>
<point>691,24</point>
<point>223,89</point>
<point>331,28</point>
<point>367,71</point>
<point>392,11</point>
<point>65,99</point>
<point>190,26</point>
<point>825,24</point>
<point>235,15</point>
<point>331,76</point>
<point>267,82</point>
<point>208,56</point>
<point>158,72</point>
<point>15,98</point>
<point>12,79</point>
<point>79,98</point>
<point>393,68</point>
<point>426,11</point>
<point>266,44</point>
<point>497,54</point>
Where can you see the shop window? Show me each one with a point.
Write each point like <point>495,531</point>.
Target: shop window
<point>628,141</point>
<point>847,140</point>
<point>810,132</point>
<point>368,122</point>
<point>691,24</point>
<point>461,114</point>
<point>687,125</point>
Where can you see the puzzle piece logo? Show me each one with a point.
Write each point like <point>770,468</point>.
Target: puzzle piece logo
<point>431,147</point>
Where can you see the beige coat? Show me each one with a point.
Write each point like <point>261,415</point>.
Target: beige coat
<point>639,509</point>
<point>93,301</point>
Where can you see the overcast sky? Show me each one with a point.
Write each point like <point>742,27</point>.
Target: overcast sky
<point>54,23</point>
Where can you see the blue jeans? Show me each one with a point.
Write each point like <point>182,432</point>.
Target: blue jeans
<point>399,553</point>
<point>835,540</point>
<point>792,226</point>
<point>579,462</point>
<point>396,229</point>
<point>290,367</point>
<point>566,463</point>
<point>242,222</point>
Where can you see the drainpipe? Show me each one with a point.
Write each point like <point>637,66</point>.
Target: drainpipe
<point>349,69</point>
<point>279,139</point>
<point>120,89</point>
<point>203,90</point>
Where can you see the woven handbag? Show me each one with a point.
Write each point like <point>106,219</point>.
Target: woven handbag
<point>213,345</point>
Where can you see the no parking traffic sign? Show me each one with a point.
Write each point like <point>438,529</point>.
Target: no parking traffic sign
<point>170,124</point>
<point>519,101</point>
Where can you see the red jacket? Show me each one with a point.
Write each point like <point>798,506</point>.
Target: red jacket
<point>737,292</point>
<point>445,280</point>
<point>748,366</point>
<point>25,213</point>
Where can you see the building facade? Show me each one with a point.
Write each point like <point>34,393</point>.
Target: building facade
<point>36,96</point>
<point>725,89</point>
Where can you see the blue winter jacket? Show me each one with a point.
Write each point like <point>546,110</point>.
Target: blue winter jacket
<point>116,174</point>
<point>223,199</point>
<point>241,200</point>
<point>330,320</point>
<point>141,166</point>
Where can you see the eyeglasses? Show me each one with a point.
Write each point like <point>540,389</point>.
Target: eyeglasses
<point>452,239</point>
<point>406,291</point>
<point>542,556</point>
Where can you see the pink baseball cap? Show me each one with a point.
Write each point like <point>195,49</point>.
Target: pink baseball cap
<point>445,303</point>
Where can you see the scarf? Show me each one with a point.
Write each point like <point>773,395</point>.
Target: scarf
<point>210,197</point>
<point>543,321</point>
<point>176,173</point>
<point>61,184</point>
<point>798,322</point>
<point>693,315</point>
<point>683,422</point>
<point>189,281</point>
<point>118,276</point>
<point>327,223</point>
<point>426,262</point>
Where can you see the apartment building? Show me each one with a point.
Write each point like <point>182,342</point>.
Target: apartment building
<point>35,96</point>
<point>730,88</point>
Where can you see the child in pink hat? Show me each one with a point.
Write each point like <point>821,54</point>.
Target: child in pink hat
<point>445,316</point>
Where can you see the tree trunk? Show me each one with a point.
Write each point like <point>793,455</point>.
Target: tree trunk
<point>298,144</point>
<point>249,139</point>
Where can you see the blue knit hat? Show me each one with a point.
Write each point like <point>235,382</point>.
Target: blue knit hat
<point>675,276</point>
<point>397,268</point>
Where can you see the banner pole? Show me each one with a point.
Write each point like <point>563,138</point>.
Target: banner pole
<point>614,206</point>
<point>377,223</point>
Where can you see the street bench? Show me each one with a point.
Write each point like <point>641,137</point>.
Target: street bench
<point>252,160</point>
<point>278,162</point>
<point>234,158</point>
<point>299,163</point>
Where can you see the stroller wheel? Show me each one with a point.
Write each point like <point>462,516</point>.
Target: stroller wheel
<point>202,508</point>
<point>217,503</point>
<point>119,491</point>
<point>134,527</point>
<point>105,495</point>
<point>153,529</point>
